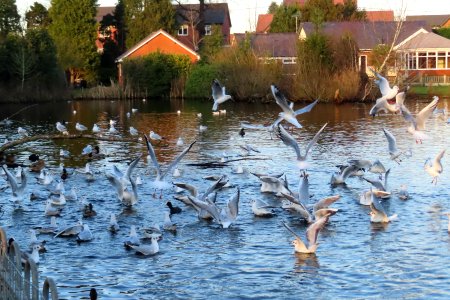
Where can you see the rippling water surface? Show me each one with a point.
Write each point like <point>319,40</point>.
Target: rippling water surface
<point>408,258</point>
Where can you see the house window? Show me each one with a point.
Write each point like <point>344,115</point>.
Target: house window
<point>289,61</point>
<point>441,60</point>
<point>183,30</point>
<point>208,30</point>
<point>363,63</point>
<point>412,61</point>
<point>422,60</point>
<point>431,61</point>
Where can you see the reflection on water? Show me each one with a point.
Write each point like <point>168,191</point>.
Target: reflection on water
<point>407,258</point>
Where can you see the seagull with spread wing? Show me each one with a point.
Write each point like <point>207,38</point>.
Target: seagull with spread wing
<point>159,173</point>
<point>288,140</point>
<point>312,233</point>
<point>288,112</point>
<point>418,122</point>
<point>218,93</point>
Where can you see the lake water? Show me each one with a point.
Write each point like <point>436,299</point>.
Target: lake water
<point>408,258</point>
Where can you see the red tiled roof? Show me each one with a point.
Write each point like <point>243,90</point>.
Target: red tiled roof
<point>380,15</point>
<point>263,24</point>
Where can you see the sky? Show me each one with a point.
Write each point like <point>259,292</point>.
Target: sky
<point>244,13</point>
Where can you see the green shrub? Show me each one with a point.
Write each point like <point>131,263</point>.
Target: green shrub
<point>198,84</point>
<point>153,74</point>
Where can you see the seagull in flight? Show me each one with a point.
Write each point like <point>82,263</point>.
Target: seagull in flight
<point>392,142</point>
<point>418,122</point>
<point>383,84</point>
<point>288,140</point>
<point>434,168</point>
<point>218,93</point>
<point>159,174</point>
<point>288,113</point>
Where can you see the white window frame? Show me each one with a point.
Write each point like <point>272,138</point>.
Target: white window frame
<point>208,29</point>
<point>411,56</point>
<point>183,30</point>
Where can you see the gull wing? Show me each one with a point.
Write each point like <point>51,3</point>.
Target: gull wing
<point>376,206</point>
<point>292,231</point>
<point>190,188</point>
<point>233,205</point>
<point>117,183</point>
<point>382,83</point>
<point>133,165</point>
<point>306,109</point>
<point>117,172</point>
<point>391,141</point>
<point>177,159</point>
<point>280,99</point>
<point>408,116</point>
<point>375,183</point>
<point>288,140</point>
<point>348,171</point>
<point>400,98</point>
<point>312,232</point>
<point>437,160</point>
<point>314,140</point>
<point>11,179</point>
<point>217,90</point>
<point>211,189</point>
<point>325,202</point>
<point>209,207</point>
<point>425,113</point>
<point>152,154</point>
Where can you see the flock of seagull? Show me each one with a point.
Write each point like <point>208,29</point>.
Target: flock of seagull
<point>204,205</point>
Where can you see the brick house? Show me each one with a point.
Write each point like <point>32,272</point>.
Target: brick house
<point>422,55</point>
<point>215,14</point>
<point>158,41</point>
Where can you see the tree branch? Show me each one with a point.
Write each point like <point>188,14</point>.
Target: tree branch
<point>64,137</point>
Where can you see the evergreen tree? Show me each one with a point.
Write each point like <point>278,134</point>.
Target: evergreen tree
<point>284,19</point>
<point>145,17</point>
<point>119,18</point>
<point>9,18</point>
<point>37,16</point>
<point>74,31</point>
<point>272,8</point>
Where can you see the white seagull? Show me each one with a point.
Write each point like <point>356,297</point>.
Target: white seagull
<point>95,128</point>
<point>377,213</point>
<point>434,168</point>
<point>288,113</point>
<point>22,132</point>
<point>17,190</point>
<point>118,180</point>
<point>159,174</point>
<point>312,233</point>
<point>61,128</point>
<point>383,84</point>
<point>223,216</point>
<point>218,93</point>
<point>80,127</point>
<point>418,122</point>
<point>146,250</point>
<point>288,140</point>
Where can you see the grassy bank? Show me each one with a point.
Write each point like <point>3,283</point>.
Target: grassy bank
<point>441,90</point>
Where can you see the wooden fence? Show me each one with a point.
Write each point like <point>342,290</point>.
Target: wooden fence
<point>20,280</point>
